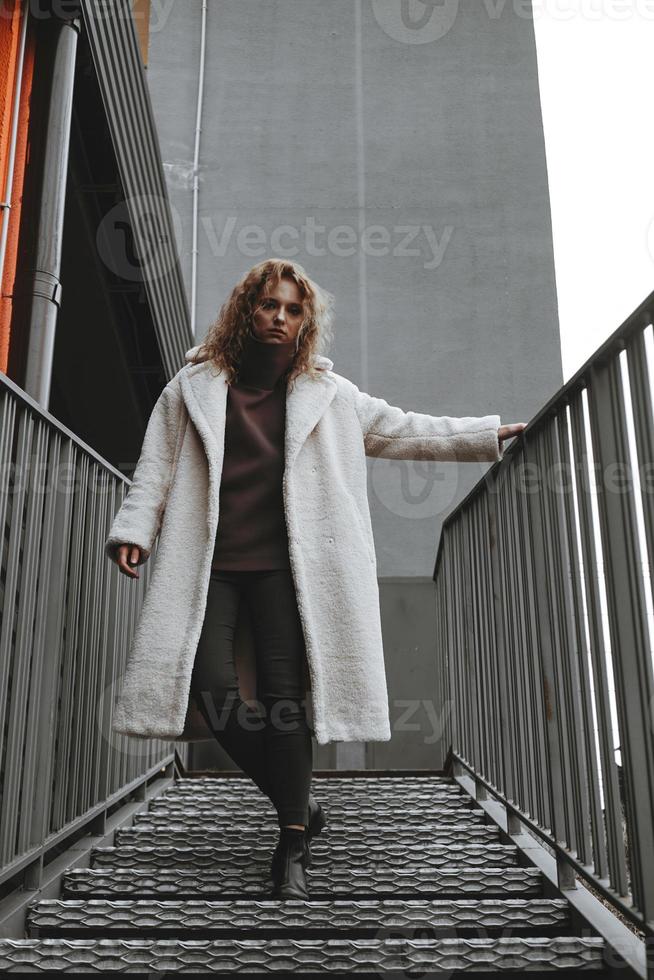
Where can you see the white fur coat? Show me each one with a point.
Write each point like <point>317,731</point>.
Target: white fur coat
<point>330,428</point>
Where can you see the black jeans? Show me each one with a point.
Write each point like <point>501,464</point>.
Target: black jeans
<point>272,742</point>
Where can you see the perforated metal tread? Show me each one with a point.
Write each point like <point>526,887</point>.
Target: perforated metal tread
<point>371,812</point>
<point>352,786</point>
<point>361,778</point>
<point>401,865</point>
<point>364,917</point>
<point>410,835</point>
<point>361,784</point>
<point>405,882</point>
<point>328,855</point>
<point>369,817</point>
<point>328,792</point>
<point>444,956</point>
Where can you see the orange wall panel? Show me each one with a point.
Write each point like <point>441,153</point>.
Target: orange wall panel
<point>141,16</point>
<point>10,31</point>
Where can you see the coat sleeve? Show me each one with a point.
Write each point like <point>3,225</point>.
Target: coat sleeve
<point>139,517</point>
<point>392,433</point>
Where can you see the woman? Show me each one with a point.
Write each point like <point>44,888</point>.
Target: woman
<point>253,475</point>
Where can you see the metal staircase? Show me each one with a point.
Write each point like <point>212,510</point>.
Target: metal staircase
<point>408,877</point>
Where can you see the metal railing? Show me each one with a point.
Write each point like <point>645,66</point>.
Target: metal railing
<point>67,619</point>
<point>544,622</point>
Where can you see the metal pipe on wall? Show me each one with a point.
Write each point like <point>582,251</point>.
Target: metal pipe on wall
<point>196,162</point>
<point>45,284</point>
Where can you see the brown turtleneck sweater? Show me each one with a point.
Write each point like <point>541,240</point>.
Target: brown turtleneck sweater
<point>251,524</point>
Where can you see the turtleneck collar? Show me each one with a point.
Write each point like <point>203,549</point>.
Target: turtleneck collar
<point>262,364</point>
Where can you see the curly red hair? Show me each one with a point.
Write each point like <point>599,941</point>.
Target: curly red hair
<point>227,334</point>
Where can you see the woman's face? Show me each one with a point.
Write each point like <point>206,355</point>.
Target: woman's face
<point>279,314</point>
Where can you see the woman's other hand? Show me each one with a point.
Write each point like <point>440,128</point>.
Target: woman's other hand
<point>508,431</point>
<point>128,557</point>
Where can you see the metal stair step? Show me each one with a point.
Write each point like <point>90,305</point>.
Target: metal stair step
<point>326,791</point>
<point>150,918</point>
<point>330,855</point>
<point>190,835</point>
<point>333,795</point>
<point>361,816</point>
<point>205,801</point>
<point>444,957</point>
<point>401,811</point>
<point>324,882</point>
<point>318,783</point>
<point>408,875</point>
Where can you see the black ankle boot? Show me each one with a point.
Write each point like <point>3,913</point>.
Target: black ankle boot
<point>288,865</point>
<point>317,821</point>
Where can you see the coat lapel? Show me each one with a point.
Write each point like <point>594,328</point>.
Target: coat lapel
<point>204,390</point>
<point>305,405</point>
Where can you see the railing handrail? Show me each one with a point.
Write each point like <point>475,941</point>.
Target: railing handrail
<point>67,625</point>
<point>615,343</point>
<point>54,422</point>
<point>547,687</point>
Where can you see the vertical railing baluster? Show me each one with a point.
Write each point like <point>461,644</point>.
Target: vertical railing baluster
<point>587,811</point>
<point>463,688</point>
<point>77,745</point>
<point>542,802</point>
<point>629,633</point>
<point>518,757</point>
<point>613,852</point>
<point>564,548</point>
<point>504,715</point>
<point>480,692</point>
<point>15,588</point>
<point>559,647</point>
<point>641,401</point>
<point>47,639</point>
<point>469,680</point>
<point>490,655</point>
<point>450,596</point>
<point>539,517</point>
<point>8,434</point>
<point>105,575</point>
<point>29,646</point>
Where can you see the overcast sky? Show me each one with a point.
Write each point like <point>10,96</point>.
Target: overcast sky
<point>595,74</point>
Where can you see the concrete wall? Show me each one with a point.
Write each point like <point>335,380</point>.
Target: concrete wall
<point>402,163</point>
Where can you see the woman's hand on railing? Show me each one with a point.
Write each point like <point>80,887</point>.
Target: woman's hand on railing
<point>508,431</point>
<point>128,556</point>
